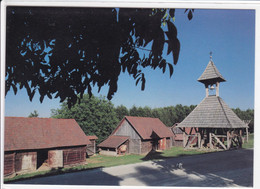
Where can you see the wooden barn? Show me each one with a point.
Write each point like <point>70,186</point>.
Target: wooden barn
<point>91,145</point>
<point>137,135</point>
<point>214,123</point>
<point>31,142</point>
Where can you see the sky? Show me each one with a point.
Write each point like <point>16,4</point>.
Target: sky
<point>228,34</point>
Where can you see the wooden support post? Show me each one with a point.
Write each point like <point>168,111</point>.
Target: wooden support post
<point>210,141</point>
<point>241,135</point>
<point>94,146</point>
<point>199,140</point>
<point>217,89</point>
<point>247,134</point>
<point>184,139</point>
<point>228,140</point>
<point>207,91</point>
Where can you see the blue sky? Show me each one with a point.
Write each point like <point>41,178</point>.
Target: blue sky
<point>229,34</point>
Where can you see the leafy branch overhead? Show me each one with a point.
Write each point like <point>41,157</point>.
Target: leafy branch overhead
<point>65,52</point>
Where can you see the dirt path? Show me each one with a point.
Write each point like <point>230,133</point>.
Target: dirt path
<point>222,169</point>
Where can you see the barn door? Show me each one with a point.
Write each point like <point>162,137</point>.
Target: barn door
<point>162,144</point>
<point>55,158</point>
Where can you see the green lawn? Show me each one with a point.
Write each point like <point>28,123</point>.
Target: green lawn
<point>250,143</point>
<point>98,161</point>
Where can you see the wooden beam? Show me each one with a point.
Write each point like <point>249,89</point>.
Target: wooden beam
<point>220,135</point>
<point>228,140</point>
<point>184,139</point>
<point>190,141</point>
<point>210,141</point>
<point>199,140</point>
<point>247,134</point>
<point>219,141</point>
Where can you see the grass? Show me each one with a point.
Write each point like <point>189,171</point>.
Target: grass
<point>250,143</point>
<point>99,161</point>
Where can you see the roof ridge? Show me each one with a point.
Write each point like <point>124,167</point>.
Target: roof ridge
<point>143,117</point>
<point>214,67</point>
<point>39,118</point>
<point>223,110</point>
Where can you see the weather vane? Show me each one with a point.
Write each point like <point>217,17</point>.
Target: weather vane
<point>210,53</point>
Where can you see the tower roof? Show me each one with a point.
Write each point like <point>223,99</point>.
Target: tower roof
<point>212,112</point>
<point>211,74</point>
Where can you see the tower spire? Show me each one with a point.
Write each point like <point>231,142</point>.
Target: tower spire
<point>210,55</point>
<point>211,76</point>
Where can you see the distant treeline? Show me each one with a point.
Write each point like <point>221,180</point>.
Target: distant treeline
<point>175,114</point>
<point>168,115</point>
<point>98,116</point>
<point>246,115</point>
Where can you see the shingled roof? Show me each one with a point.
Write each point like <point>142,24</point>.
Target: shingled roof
<point>212,112</point>
<point>113,141</point>
<point>146,126</point>
<point>38,133</point>
<point>211,74</point>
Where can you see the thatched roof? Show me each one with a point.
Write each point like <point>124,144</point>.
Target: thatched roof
<point>212,112</point>
<point>211,74</point>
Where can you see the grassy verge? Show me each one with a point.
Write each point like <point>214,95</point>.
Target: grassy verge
<point>99,161</point>
<point>250,143</point>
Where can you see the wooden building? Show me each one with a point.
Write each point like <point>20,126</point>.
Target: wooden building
<point>91,145</point>
<point>138,135</point>
<point>214,123</point>
<point>115,145</point>
<point>31,142</point>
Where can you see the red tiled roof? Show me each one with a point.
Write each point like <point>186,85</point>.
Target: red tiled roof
<point>113,141</point>
<point>146,126</point>
<point>92,137</point>
<point>37,133</point>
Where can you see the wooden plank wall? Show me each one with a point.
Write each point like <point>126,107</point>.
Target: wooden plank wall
<point>135,146</point>
<point>74,155</point>
<point>146,146</point>
<point>127,130</point>
<point>9,160</point>
<point>25,161</point>
<point>168,143</point>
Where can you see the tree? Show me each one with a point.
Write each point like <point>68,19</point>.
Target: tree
<point>63,52</point>
<point>246,115</point>
<point>34,114</point>
<point>121,112</point>
<point>133,111</point>
<point>96,116</point>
